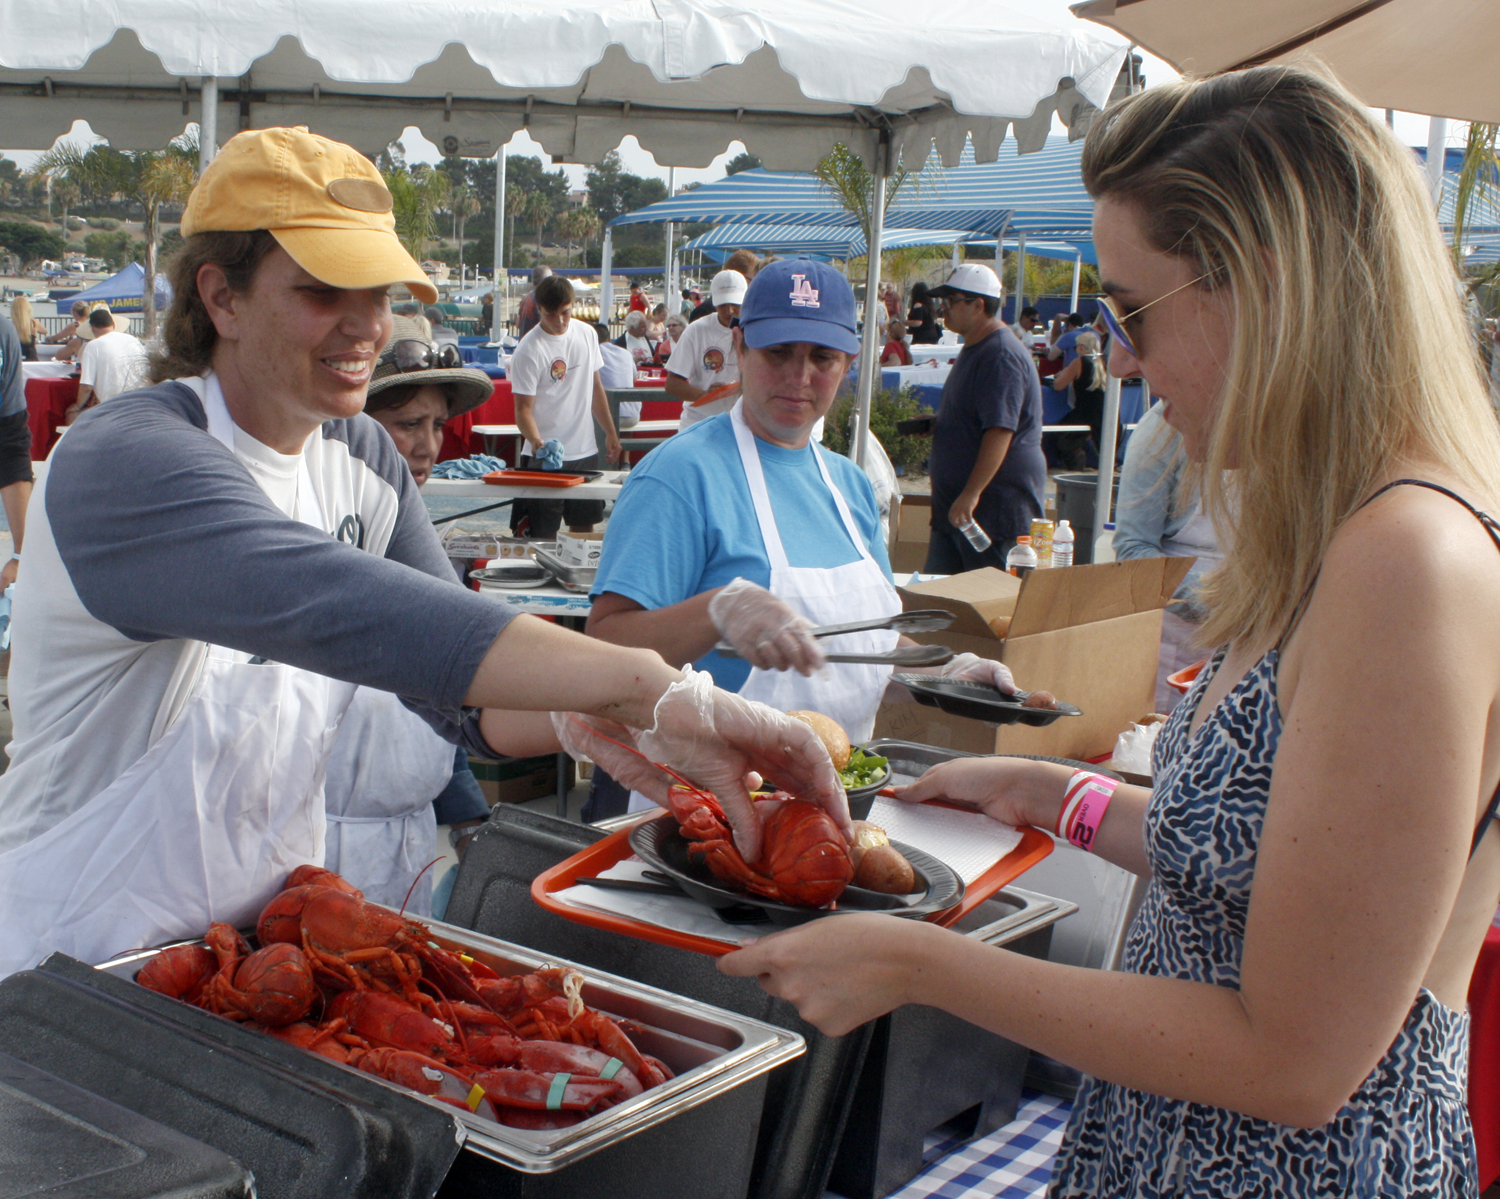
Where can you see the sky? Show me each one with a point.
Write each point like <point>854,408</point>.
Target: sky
<point>1410,127</point>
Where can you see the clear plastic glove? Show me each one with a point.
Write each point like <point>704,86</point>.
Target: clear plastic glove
<point>716,738</point>
<point>970,668</point>
<point>763,629</point>
<point>611,747</point>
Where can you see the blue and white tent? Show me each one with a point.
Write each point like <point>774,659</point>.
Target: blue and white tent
<point>831,241</point>
<point>123,291</point>
<point>1040,194</point>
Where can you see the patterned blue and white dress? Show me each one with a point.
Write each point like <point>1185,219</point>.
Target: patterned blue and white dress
<point>1405,1132</point>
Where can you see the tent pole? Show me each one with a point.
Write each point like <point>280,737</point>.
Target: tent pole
<point>501,305</point>
<point>667,266</point>
<point>1077,272</point>
<point>208,121</point>
<point>869,348</point>
<point>1437,153</point>
<point>1020,278</point>
<point>1104,490</point>
<point>606,278</point>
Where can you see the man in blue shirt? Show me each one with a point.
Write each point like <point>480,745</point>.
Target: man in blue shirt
<point>986,463</point>
<point>1065,344</point>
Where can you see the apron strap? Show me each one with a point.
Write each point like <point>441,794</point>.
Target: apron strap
<point>760,496</point>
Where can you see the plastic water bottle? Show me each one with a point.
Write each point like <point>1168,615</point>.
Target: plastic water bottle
<point>978,538</point>
<point>1021,560</point>
<point>1062,544</point>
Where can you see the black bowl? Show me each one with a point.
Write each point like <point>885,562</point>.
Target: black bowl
<point>979,701</point>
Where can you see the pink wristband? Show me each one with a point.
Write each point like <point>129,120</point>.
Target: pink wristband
<point>1084,804</point>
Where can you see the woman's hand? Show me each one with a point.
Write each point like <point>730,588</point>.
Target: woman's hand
<point>716,738</point>
<point>1014,791</point>
<point>763,629</point>
<point>841,971</point>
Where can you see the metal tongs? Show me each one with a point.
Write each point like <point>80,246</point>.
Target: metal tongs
<point>927,620</point>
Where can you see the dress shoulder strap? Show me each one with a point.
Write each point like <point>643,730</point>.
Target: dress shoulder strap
<point>1492,527</point>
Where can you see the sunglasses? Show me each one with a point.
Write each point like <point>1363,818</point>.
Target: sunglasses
<point>412,354</point>
<point>1114,319</point>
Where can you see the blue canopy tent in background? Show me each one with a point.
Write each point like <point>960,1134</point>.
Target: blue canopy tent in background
<point>123,291</point>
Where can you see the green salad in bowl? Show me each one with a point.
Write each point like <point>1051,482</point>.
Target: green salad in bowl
<point>864,770</point>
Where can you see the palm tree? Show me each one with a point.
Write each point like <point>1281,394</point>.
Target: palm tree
<point>515,200</point>
<point>844,173</point>
<point>537,211</point>
<point>165,178</point>
<point>581,224</point>
<point>462,203</point>
<point>1478,190</point>
<point>416,197</point>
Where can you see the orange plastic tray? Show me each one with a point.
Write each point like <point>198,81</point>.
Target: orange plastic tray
<point>599,857</point>
<point>1181,680</point>
<point>531,478</point>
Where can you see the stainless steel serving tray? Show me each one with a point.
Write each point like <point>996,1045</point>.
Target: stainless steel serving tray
<point>710,1050</point>
<point>574,578</point>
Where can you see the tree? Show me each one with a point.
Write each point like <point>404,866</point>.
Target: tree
<point>581,224</point>
<point>462,203</point>
<point>515,201</point>
<point>30,243</point>
<point>416,197</point>
<point>844,174</point>
<point>744,161</point>
<point>1478,191</point>
<point>151,179</point>
<point>536,209</point>
<point>115,248</point>
<point>614,192</point>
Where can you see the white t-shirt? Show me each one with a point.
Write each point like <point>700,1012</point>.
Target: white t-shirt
<point>618,366</point>
<point>559,372</point>
<point>112,364</point>
<point>640,348</point>
<point>705,355</point>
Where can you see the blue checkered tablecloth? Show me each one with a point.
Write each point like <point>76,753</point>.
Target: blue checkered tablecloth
<point>1013,1162</point>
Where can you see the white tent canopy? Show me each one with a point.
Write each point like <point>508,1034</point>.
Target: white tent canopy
<point>686,77</point>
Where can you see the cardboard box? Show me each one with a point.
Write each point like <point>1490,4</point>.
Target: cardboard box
<point>516,782</point>
<point>1088,634</point>
<point>488,546</point>
<point>579,549</point>
<point>912,534</point>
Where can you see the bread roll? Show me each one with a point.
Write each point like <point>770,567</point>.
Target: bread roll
<point>829,731</point>
<point>1000,626</point>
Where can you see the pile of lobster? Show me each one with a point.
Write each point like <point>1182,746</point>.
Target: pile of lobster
<point>362,985</point>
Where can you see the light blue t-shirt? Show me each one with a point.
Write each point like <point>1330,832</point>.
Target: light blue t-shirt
<point>684,523</point>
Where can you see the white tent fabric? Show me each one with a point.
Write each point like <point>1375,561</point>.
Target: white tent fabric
<point>686,77</point>
<point>1429,56</point>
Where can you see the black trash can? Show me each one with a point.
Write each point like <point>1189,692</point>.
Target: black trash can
<point>1075,504</point>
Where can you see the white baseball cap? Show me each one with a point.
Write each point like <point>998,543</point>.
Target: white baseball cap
<point>728,287</point>
<point>972,277</point>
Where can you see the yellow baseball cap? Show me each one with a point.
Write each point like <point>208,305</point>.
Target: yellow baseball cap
<point>323,202</point>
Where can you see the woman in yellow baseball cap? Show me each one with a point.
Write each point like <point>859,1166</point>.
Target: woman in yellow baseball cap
<point>217,560</point>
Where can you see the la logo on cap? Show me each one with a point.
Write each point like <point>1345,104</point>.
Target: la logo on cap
<point>804,294</point>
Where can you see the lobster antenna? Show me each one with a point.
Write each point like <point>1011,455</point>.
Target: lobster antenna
<point>667,770</point>
<point>415,881</point>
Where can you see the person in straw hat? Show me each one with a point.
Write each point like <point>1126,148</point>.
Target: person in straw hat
<point>218,560</point>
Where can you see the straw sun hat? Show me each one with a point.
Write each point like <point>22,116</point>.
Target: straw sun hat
<point>465,387</point>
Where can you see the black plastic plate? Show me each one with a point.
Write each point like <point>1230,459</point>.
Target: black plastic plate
<point>662,845</point>
<point>979,701</point>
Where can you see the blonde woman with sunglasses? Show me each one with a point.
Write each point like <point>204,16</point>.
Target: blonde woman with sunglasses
<point>1288,1018</point>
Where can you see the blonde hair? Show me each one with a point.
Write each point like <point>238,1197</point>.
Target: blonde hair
<point>1276,184</point>
<point>1091,373</point>
<point>21,318</point>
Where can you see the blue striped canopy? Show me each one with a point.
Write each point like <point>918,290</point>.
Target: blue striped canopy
<point>1039,194</point>
<point>841,241</point>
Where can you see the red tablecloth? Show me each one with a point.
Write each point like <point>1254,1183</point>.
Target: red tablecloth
<point>47,401</point>
<point>459,440</point>
<point>1484,1057</point>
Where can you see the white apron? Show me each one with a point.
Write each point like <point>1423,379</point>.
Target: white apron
<point>859,590</point>
<point>386,768</point>
<point>204,826</point>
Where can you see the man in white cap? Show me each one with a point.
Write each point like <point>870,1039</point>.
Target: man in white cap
<point>216,561</point>
<point>986,463</point>
<point>704,360</point>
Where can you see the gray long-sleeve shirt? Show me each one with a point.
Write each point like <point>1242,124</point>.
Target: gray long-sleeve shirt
<point>149,539</point>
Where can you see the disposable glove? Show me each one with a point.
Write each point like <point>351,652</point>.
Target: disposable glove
<point>763,629</point>
<point>970,668</point>
<point>716,738</point>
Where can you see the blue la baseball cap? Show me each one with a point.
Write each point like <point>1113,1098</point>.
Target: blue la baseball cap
<point>797,299</point>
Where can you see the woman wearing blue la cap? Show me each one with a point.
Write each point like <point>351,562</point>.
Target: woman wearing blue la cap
<point>740,529</point>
